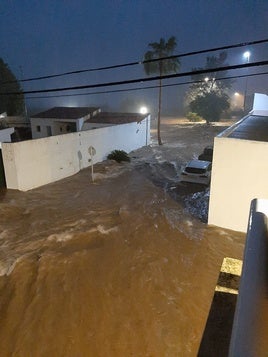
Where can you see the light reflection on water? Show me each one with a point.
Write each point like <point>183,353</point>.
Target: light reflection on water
<point>114,268</point>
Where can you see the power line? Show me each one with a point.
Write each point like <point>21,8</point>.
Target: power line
<point>139,62</point>
<point>141,80</point>
<point>144,88</point>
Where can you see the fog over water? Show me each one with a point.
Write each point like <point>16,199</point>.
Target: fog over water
<point>123,266</point>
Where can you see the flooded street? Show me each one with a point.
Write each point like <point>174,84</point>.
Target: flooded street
<point>123,266</point>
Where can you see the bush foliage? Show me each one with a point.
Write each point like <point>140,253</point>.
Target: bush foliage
<point>118,155</point>
<point>194,117</point>
<point>210,105</point>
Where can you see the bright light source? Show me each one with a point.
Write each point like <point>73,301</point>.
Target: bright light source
<point>143,110</point>
<point>236,94</point>
<point>206,79</point>
<point>246,55</point>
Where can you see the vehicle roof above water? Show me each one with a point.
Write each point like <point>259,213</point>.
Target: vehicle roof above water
<point>199,164</point>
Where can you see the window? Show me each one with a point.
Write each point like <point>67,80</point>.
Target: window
<point>49,131</point>
<point>71,128</point>
<point>195,170</point>
<point>38,128</point>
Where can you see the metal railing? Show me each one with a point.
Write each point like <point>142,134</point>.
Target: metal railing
<point>250,327</point>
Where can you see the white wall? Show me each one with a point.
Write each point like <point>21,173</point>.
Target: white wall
<point>58,126</point>
<point>239,174</point>
<point>54,124</point>
<point>34,163</point>
<point>90,126</point>
<point>5,135</point>
<point>260,102</point>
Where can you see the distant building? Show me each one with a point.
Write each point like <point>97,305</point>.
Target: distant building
<point>240,168</point>
<point>5,135</point>
<point>5,131</point>
<point>20,125</point>
<point>63,141</point>
<point>104,119</point>
<point>60,120</point>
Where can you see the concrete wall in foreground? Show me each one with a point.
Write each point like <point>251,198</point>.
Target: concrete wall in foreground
<point>239,174</point>
<point>34,163</point>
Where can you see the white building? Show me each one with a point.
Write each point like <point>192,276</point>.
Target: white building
<point>5,135</point>
<point>60,120</point>
<point>240,168</point>
<point>104,119</point>
<point>34,163</point>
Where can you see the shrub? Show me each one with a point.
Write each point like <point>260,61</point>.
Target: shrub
<point>210,105</point>
<point>194,117</point>
<point>118,155</point>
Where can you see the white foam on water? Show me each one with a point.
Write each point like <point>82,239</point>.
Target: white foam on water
<point>101,229</point>
<point>60,237</point>
<point>178,220</point>
<point>4,234</point>
<point>112,170</point>
<point>77,224</point>
<point>175,145</point>
<point>71,234</point>
<point>7,267</point>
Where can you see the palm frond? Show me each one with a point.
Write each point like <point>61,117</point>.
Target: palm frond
<point>160,50</point>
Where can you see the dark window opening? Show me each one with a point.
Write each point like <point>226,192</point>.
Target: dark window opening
<point>194,170</point>
<point>49,131</point>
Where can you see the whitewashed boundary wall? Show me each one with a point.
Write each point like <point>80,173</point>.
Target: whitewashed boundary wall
<point>239,174</point>
<point>33,163</point>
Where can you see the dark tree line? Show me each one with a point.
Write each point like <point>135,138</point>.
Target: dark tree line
<point>12,104</point>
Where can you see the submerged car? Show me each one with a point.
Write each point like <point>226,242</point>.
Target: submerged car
<point>197,171</point>
<point>207,154</point>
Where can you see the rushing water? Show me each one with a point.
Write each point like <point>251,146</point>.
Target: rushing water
<point>119,267</point>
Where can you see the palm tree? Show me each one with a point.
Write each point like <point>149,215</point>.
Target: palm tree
<point>158,50</point>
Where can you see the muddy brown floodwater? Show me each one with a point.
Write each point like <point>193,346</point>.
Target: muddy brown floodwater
<point>118,267</point>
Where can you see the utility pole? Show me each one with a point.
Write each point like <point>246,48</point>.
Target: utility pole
<point>25,107</point>
<point>246,55</point>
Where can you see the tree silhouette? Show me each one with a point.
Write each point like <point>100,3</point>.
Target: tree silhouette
<point>12,104</point>
<point>162,66</point>
<point>208,97</point>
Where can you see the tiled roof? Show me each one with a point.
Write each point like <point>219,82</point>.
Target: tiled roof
<point>66,113</point>
<point>116,118</point>
<point>252,127</point>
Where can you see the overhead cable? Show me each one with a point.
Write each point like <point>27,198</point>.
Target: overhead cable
<point>141,80</point>
<point>95,69</point>
<point>147,87</point>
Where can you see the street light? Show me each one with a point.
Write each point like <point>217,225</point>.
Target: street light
<point>143,110</point>
<point>246,56</point>
<point>237,101</point>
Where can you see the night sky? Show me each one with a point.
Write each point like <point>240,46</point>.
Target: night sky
<point>53,36</point>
